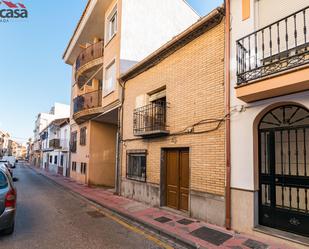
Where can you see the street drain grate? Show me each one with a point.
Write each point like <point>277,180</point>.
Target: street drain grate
<point>185,222</point>
<point>95,214</point>
<point>210,235</point>
<point>253,244</point>
<point>162,219</point>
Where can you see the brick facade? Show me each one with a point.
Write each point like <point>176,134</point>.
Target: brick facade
<point>194,80</point>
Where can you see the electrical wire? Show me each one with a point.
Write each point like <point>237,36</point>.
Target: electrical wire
<point>189,130</point>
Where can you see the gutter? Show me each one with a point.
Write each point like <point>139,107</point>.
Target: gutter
<point>228,120</point>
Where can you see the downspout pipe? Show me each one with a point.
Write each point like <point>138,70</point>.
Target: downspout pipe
<point>228,120</point>
<point>119,140</point>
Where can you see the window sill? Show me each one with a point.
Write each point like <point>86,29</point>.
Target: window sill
<point>136,179</point>
<point>110,39</point>
<point>108,93</point>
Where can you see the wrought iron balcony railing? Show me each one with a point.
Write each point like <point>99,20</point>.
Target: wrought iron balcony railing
<point>150,120</point>
<point>87,101</point>
<point>277,47</point>
<point>54,143</point>
<point>90,53</point>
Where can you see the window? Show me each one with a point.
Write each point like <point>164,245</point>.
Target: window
<point>61,160</point>
<point>73,141</point>
<point>73,166</point>
<point>82,136</point>
<point>136,166</point>
<point>83,168</point>
<point>111,24</point>
<point>50,159</point>
<point>110,78</point>
<point>3,181</point>
<point>56,160</point>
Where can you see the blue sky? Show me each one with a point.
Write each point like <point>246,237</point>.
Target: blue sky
<point>32,73</point>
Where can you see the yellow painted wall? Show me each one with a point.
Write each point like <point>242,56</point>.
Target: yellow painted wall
<point>81,155</point>
<point>102,154</point>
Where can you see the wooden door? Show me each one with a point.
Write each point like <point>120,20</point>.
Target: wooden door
<point>177,179</point>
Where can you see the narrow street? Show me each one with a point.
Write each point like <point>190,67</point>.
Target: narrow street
<point>51,217</point>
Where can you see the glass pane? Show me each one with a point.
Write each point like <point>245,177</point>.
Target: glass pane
<point>3,181</point>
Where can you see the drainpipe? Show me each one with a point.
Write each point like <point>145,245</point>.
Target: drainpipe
<point>228,121</point>
<point>117,175</point>
<point>119,140</point>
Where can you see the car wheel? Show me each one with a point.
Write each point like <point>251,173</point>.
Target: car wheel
<point>9,230</point>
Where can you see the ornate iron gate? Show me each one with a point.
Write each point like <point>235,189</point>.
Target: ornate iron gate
<point>284,169</point>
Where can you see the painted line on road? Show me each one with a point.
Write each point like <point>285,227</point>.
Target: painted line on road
<point>136,230</point>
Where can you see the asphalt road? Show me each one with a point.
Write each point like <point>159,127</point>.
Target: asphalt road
<point>49,216</point>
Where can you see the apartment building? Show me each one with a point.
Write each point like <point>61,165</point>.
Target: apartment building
<point>270,128</point>
<point>111,37</point>
<point>173,134</point>
<point>55,146</point>
<point>42,121</point>
<point>12,148</point>
<point>4,143</point>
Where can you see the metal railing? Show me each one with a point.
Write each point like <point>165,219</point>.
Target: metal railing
<point>87,101</point>
<point>54,143</point>
<point>277,47</point>
<point>90,53</point>
<point>150,118</point>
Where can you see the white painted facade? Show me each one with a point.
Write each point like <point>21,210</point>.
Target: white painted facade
<point>4,142</point>
<point>44,119</point>
<point>56,160</point>
<point>147,25</point>
<point>242,122</point>
<point>244,172</point>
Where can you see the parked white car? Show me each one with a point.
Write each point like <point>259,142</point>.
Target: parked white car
<point>11,159</point>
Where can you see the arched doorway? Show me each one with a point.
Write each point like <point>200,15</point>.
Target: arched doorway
<point>284,169</point>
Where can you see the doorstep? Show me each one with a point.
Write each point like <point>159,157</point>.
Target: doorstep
<point>298,239</point>
<point>191,233</point>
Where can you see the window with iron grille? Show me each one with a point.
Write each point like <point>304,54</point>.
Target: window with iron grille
<point>73,166</point>
<point>82,136</point>
<point>50,159</point>
<point>73,141</point>
<point>56,160</point>
<point>83,168</point>
<point>136,165</point>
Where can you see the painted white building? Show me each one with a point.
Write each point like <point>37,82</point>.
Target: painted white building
<point>4,143</point>
<point>42,121</point>
<point>270,118</point>
<point>55,140</point>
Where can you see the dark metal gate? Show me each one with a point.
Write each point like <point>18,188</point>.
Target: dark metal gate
<point>284,169</point>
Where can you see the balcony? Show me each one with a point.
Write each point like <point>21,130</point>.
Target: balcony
<point>85,104</point>
<point>54,143</point>
<point>150,120</point>
<point>266,57</point>
<point>88,62</point>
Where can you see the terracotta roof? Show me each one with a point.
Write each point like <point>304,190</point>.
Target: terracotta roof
<point>179,41</point>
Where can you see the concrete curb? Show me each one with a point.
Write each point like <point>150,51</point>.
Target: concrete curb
<point>156,229</point>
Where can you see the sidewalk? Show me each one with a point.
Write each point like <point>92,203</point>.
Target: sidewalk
<point>190,232</point>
